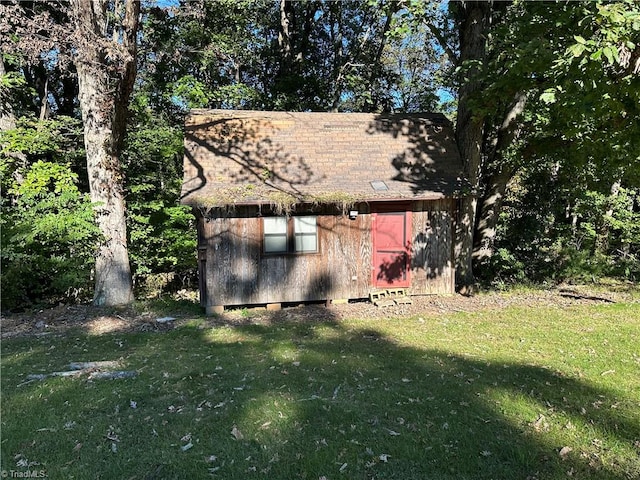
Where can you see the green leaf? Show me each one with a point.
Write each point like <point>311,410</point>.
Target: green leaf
<point>597,55</point>
<point>611,54</point>
<point>548,96</point>
<point>577,49</point>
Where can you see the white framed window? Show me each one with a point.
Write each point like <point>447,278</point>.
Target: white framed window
<point>275,235</point>
<point>305,232</point>
<point>290,235</point>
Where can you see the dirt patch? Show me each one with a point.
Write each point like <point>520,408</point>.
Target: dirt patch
<point>429,306</point>
<point>97,321</point>
<point>94,320</point>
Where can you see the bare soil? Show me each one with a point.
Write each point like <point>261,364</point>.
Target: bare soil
<point>96,320</point>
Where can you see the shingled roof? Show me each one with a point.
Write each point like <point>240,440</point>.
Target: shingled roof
<point>251,157</point>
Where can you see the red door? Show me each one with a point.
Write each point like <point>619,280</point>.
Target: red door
<point>391,263</point>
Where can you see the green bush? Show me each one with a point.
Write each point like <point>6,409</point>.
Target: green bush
<point>162,234</point>
<point>559,228</point>
<point>48,236</point>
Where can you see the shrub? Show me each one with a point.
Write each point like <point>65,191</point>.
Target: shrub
<point>48,236</point>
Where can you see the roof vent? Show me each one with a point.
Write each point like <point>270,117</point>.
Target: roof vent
<point>379,186</point>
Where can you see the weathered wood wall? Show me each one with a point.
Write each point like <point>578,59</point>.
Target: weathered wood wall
<point>237,273</point>
<point>432,265</point>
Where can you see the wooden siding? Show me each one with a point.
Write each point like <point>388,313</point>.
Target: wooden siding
<point>238,273</point>
<point>432,266</point>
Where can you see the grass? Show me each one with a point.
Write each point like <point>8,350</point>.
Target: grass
<point>517,393</point>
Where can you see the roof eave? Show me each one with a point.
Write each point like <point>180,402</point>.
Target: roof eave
<point>431,196</point>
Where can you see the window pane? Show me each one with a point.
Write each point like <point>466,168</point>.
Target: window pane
<point>275,243</point>
<point>304,224</point>
<point>306,243</point>
<point>275,234</point>
<point>277,225</point>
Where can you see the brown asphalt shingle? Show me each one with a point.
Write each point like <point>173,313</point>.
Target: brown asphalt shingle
<point>240,156</point>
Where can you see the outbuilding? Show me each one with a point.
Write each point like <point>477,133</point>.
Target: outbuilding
<point>302,207</point>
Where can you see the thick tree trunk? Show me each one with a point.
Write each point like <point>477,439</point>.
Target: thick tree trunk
<point>106,72</point>
<point>113,284</point>
<point>473,22</point>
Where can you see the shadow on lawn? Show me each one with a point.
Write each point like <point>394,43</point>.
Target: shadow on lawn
<point>317,400</point>
<point>436,415</point>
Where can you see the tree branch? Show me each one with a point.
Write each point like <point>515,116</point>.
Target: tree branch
<point>443,43</point>
<point>509,126</point>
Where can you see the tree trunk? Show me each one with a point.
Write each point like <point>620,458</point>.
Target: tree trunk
<point>113,285</point>
<point>496,186</point>
<point>489,212</point>
<point>287,26</point>
<point>8,122</point>
<point>335,15</point>
<point>603,233</point>
<point>474,18</point>
<point>375,64</point>
<point>106,65</point>
<point>7,118</point>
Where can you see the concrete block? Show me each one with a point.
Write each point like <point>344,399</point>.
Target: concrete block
<point>214,309</point>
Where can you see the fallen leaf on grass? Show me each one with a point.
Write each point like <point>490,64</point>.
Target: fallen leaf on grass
<point>22,462</point>
<point>111,435</point>
<point>541,425</point>
<point>564,452</point>
<point>237,434</point>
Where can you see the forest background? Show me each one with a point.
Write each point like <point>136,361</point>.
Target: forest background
<point>544,96</point>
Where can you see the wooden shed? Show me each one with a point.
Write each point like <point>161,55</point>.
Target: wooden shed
<point>298,207</point>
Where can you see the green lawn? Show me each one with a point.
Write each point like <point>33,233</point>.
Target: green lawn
<point>517,393</point>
